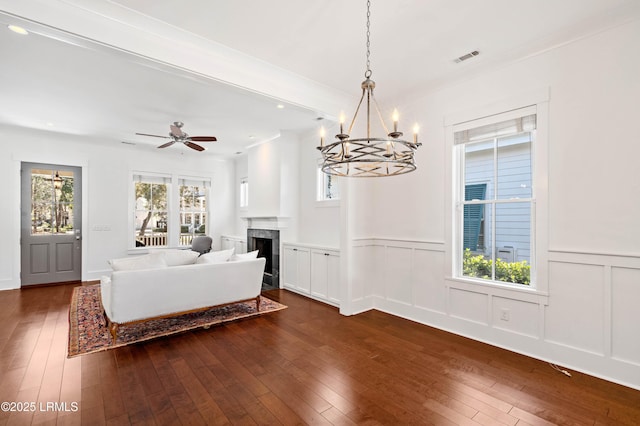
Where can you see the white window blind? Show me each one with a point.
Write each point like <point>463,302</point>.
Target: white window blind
<point>494,130</point>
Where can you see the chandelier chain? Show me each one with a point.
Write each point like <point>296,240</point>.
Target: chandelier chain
<point>367,74</point>
<point>369,156</point>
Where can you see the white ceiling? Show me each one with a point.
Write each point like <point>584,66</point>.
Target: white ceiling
<point>56,81</point>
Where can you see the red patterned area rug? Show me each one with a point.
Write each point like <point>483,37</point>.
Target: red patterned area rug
<point>88,332</point>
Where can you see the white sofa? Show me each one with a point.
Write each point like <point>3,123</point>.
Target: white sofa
<point>136,295</point>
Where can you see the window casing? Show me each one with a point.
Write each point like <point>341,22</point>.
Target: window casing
<point>495,202</point>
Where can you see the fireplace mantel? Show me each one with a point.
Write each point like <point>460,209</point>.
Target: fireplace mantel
<point>267,222</point>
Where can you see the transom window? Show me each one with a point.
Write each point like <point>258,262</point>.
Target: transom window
<point>495,200</point>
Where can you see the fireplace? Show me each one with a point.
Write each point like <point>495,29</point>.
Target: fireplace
<point>267,242</point>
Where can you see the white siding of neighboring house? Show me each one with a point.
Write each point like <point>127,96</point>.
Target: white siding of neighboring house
<point>514,181</point>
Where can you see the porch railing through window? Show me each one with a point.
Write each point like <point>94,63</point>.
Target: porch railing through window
<point>155,240</point>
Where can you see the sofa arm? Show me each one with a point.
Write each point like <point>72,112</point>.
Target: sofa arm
<point>105,293</point>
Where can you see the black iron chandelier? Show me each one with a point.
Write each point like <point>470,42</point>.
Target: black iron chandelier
<point>369,156</point>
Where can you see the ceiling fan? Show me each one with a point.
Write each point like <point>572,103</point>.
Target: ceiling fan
<point>177,135</point>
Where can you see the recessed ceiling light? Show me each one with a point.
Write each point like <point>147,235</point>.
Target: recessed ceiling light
<point>50,124</point>
<point>252,137</point>
<point>280,106</point>
<point>18,30</point>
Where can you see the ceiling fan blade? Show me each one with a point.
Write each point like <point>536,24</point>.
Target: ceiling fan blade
<point>176,131</point>
<point>155,136</point>
<point>167,144</point>
<point>203,138</point>
<point>194,146</point>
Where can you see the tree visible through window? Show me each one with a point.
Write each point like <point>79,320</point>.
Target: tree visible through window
<point>51,202</point>
<point>150,211</point>
<point>166,214</point>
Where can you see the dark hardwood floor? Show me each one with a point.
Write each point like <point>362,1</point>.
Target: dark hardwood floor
<point>304,365</point>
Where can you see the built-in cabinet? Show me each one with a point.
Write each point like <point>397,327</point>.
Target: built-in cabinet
<point>239,243</point>
<point>312,271</point>
<point>297,269</point>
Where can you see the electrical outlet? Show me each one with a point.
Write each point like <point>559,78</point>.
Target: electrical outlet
<point>504,314</point>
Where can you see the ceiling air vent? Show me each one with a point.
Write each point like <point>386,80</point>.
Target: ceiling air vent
<point>467,56</point>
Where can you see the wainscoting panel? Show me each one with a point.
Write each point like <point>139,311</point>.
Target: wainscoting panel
<point>515,316</point>
<point>587,321</point>
<point>429,291</point>
<point>469,306</point>
<point>625,297</point>
<point>375,270</point>
<point>398,271</point>
<point>363,277</point>
<point>575,314</point>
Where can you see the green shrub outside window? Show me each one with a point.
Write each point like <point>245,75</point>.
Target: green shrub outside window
<point>476,265</point>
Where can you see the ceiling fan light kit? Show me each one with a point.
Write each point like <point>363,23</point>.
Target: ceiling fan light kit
<point>177,135</point>
<point>369,156</point>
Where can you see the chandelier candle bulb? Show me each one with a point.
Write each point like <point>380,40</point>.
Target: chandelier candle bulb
<point>395,120</point>
<point>342,118</point>
<point>322,133</point>
<point>415,133</point>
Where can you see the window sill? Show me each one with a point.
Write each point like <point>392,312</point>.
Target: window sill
<point>509,291</point>
<point>146,250</point>
<point>328,203</point>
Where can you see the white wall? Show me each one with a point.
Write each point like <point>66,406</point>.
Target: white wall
<point>587,321</point>
<point>106,171</point>
<point>315,223</point>
<point>319,221</point>
<point>242,171</point>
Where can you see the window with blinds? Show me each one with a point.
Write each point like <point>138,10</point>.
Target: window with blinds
<point>495,197</point>
<point>168,210</point>
<point>151,210</point>
<point>193,208</point>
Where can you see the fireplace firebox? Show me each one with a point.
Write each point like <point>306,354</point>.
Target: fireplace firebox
<point>267,242</point>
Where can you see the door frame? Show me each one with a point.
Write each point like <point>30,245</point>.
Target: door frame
<point>51,158</point>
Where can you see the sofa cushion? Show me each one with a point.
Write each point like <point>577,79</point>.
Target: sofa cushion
<point>177,257</point>
<point>216,256</point>
<point>147,261</point>
<point>244,256</point>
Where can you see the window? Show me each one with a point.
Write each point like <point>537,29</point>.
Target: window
<point>151,210</point>
<point>168,210</point>
<point>244,193</point>
<point>193,210</point>
<point>52,205</point>
<point>328,186</point>
<point>496,198</point>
